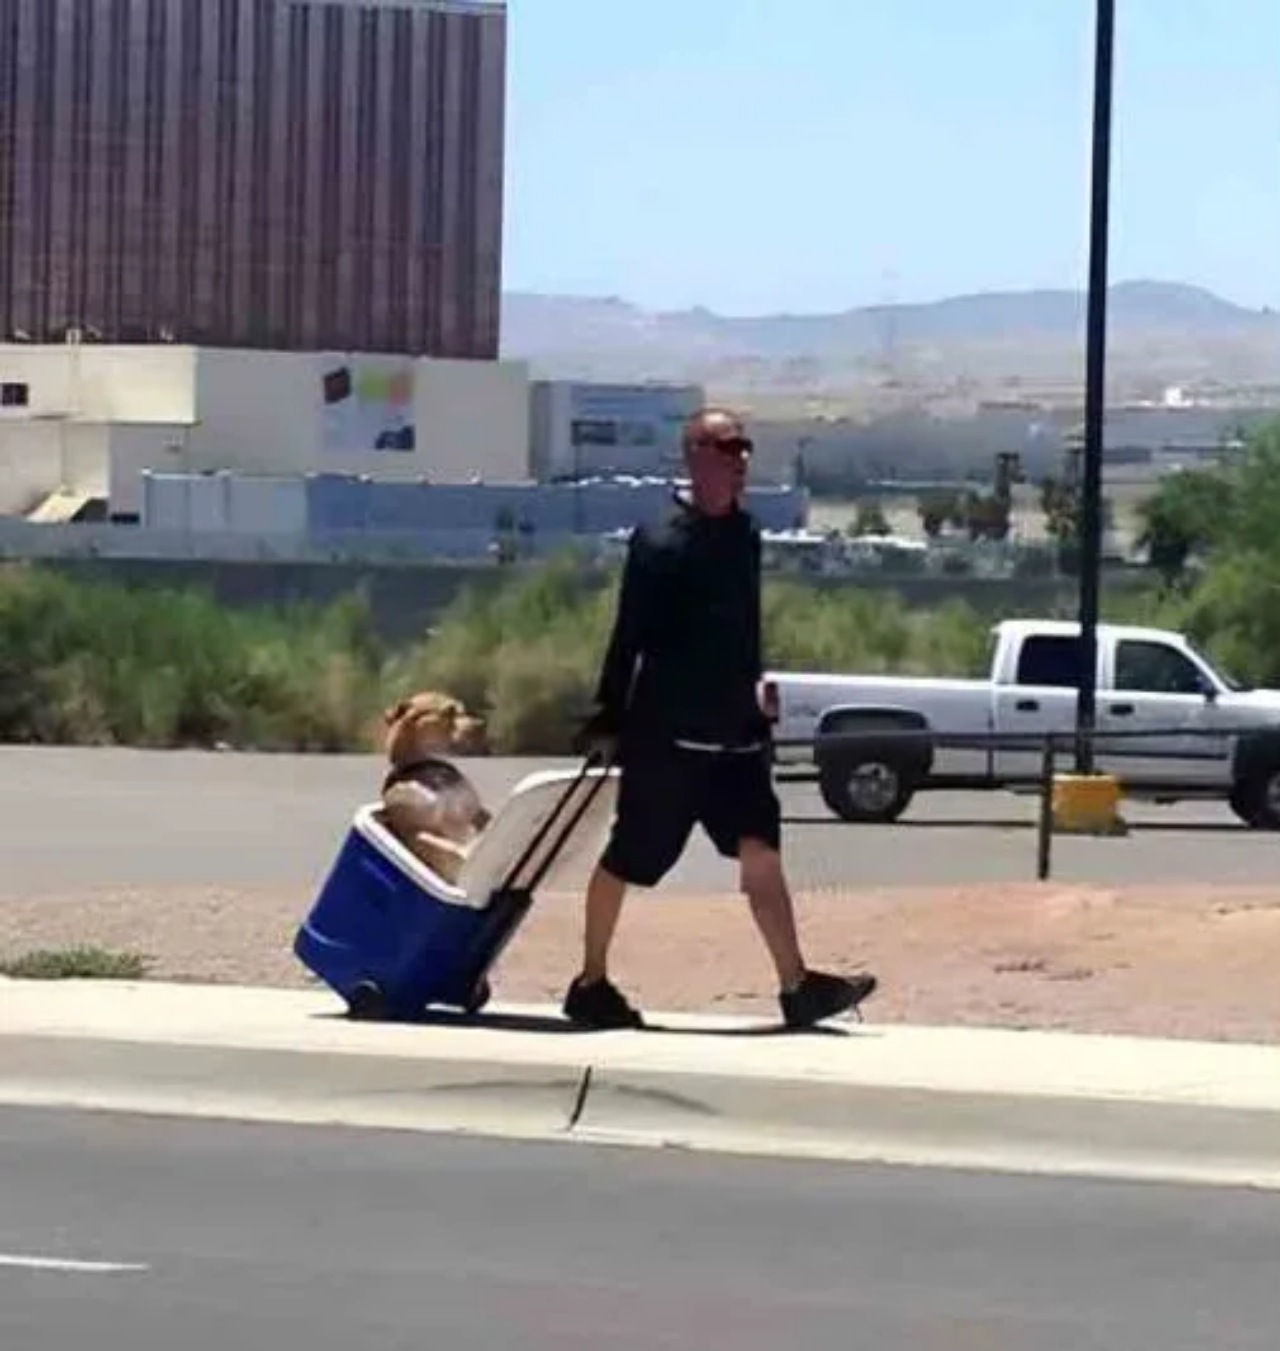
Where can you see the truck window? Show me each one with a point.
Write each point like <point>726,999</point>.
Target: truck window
<point>1050,660</point>
<point>1156,668</point>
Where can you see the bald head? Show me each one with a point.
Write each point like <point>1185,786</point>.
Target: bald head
<point>713,425</point>
<point>716,451</point>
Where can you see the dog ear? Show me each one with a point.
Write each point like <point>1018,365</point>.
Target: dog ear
<point>395,713</point>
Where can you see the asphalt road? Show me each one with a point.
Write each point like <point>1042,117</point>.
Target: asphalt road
<point>75,818</point>
<point>286,1238</point>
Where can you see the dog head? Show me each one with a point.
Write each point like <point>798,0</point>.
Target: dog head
<point>428,724</point>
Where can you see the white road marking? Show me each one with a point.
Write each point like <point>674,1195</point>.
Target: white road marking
<point>17,1262</point>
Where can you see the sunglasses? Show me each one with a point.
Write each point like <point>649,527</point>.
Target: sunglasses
<point>731,447</point>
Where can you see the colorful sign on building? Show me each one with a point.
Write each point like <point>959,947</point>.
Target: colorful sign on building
<point>368,405</point>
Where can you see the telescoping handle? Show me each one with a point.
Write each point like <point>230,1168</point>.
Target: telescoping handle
<point>514,880</point>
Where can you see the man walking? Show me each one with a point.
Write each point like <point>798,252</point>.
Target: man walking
<point>679,701</point>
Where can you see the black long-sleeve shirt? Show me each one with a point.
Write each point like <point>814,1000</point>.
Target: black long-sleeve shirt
<point>684,658</point>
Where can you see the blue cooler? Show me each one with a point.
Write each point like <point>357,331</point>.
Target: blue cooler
<point>392,938</point>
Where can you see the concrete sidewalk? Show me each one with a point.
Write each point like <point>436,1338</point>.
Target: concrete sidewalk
<point>1020,1101</point>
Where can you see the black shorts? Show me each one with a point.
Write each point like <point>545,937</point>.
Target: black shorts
<point>663,792</point>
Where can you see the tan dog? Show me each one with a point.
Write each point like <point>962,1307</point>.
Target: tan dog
<point>428,803</point>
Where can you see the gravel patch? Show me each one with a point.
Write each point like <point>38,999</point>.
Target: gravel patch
<point>1192,961</point>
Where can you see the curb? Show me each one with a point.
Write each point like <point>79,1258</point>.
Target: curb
<point>1081,1136</point>
<point>302,1087</point>
<point>586,1095</point>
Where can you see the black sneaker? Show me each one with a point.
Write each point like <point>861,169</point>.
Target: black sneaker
<point>820,996</point>
<point>599,1005</point>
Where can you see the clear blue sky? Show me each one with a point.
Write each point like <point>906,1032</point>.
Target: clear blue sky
<point>765,155</point>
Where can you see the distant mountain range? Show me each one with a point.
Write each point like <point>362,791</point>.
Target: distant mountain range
<point>609,338</point>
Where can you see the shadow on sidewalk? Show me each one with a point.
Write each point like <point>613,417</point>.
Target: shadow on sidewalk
<point>763,1030</point>
<point>476,1022</point>
<point>534,1023</point>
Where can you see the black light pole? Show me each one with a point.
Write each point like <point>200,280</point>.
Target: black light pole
<point>1090,542</point>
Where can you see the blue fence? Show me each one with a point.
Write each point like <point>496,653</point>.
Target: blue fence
<point>341,505</point>
<point>338,502</point>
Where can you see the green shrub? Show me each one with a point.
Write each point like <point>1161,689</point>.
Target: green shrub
<point>539,695</point>
<point>80,963</point>
<point>528,656</point>
<point>96,663</point>
<point>524,656</point>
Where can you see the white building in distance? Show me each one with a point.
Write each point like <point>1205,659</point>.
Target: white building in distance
<point>85,420</point>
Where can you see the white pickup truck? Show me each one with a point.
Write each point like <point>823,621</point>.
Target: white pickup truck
<point>1145,678</point>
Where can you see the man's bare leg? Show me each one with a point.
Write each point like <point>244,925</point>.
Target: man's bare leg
<point>765,885</point>
<point>807,997</point>
<point>605,894</point>
<point>592,1000</point>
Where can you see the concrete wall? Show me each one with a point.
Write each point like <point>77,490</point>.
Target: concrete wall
<point>38,458</point>
<point>194,535</point>
<point>472,419</point>
<point>255,412</point>
<point>135,449</point>
<point>103,384</point>
<point>272,413</point>
<point>441,518</point>
<point>224,503</point>
<point>265,412</point>
<point>582,428</point>
<point>96,416</point>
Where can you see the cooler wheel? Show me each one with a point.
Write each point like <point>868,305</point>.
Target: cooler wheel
<point>480,996</point>
<point>366,1003</point>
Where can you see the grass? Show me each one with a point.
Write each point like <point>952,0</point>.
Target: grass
<point>79,963</point>
<point>103,664</point>
<point>94,663</point>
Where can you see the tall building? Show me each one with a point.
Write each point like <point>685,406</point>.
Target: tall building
<point>287,174</point>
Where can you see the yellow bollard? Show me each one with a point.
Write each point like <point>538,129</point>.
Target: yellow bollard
<point>1087,804</point>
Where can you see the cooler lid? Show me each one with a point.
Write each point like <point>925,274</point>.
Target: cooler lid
<point>516,822</point>
<point>524,813</point>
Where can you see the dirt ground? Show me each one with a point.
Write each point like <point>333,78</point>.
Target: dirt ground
<point>1193,962</point>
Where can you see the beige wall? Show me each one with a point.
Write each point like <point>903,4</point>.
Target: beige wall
<point>104,384</point>
<point>264,412</point>
<point>104,413</point>
<point>38,458</point>
<point>135,448</point>
<point>473,418</point>
<point>255,412</point>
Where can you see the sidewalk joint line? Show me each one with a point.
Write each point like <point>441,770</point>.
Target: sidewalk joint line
<point>580,1100</point>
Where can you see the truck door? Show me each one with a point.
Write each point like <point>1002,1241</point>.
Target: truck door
<point>1156,686</point>
<point>1041,699</point>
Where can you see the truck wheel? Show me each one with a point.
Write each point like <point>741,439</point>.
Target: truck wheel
<point>868,790</point>
<point>1256,800</point>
